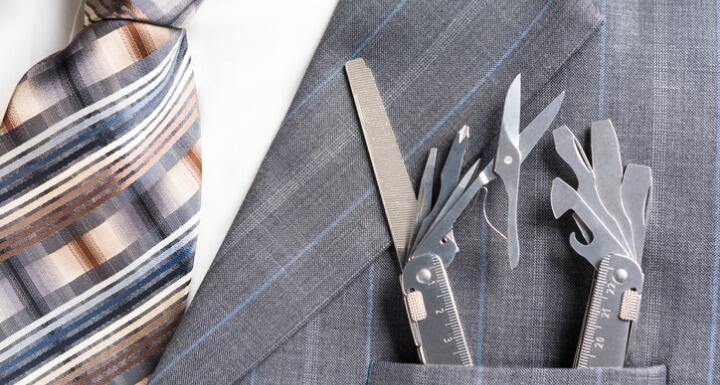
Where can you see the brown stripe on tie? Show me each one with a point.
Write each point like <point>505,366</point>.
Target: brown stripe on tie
<point>171,122</point>
<point>69,216</point>
<point>107,173</point>
<point>43,234</point>
<point>153,329</point>
<point>136,41</point>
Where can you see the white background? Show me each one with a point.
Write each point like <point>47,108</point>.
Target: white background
<point>248,58</point>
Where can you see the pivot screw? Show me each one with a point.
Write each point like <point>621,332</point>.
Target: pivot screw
<point>423,276</point>
<point>621,275</point>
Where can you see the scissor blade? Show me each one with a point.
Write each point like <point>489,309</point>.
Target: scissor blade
<point>511,113</point>
<point>536,129</point>
<point>512,149</point>
<point>507,164</point>
<point>396,190</point>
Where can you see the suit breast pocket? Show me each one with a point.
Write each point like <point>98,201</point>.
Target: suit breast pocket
<point>391,373</point>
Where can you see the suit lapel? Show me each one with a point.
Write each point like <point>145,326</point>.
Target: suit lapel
<point>312,220</point>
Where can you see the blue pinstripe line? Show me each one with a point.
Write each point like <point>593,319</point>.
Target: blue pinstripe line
<point>482,80</point>
<point>369,317</point>
<point>353,55</point>
<point>270,280</point>
<point>712,343</point>
<point>599,376</point>
<point>368,381</point>
<point>253,375</point>
<point>480,326</point>
<point>601,64</point>
<point>262,287</point>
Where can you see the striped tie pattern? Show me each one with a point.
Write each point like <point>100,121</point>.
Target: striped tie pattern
<point>99,197</point>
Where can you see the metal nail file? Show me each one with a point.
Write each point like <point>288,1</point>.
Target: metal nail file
<point>429,300</point>
<point>396,190</point>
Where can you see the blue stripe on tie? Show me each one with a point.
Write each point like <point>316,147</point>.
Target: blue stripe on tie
<point>599,376</point>
<point>353,55</point>
<point>369,316</point>
<point>712,344</point>
<point>150,265</point>
<point>126,119</point>
<point>270,280</point>
<point>55,341</point>
<point>601,64</point>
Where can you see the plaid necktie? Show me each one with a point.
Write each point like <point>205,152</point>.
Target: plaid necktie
<point>99,195</point>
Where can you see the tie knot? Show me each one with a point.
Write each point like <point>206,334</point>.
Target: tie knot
<point>171,13</point>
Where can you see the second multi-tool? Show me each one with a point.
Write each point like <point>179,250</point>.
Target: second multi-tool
<point>610,208</point>
<point>421,228</point>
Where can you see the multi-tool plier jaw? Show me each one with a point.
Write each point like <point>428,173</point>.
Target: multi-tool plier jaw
<point>610,208</point>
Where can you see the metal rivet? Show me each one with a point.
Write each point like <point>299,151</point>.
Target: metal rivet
<point>508,159</point>
<point>621,275</point>
<point>423,276</point>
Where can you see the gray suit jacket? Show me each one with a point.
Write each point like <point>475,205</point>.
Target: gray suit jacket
<point>305,289</point>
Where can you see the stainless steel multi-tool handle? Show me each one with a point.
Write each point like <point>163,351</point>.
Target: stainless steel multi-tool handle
<point>613,307</point>
<point>432,312</point>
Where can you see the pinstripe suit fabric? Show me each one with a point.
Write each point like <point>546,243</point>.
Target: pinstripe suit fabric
<point>99,195</point>
<point>305,290</point>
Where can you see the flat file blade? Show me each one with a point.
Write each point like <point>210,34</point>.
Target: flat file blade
<point>396,190</point>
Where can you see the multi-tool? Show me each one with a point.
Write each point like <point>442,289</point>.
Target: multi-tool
<point>421,228</point>
<point>610,207</point>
